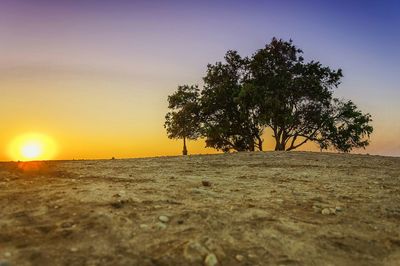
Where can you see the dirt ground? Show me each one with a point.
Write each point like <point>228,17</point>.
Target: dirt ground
<point>263,208</point>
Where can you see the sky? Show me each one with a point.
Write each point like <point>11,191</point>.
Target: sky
<point>94,75</point>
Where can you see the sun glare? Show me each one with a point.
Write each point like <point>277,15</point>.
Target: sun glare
<point>32,147</point>
<point>31,150</point>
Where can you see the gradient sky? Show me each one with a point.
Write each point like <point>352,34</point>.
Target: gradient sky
<point>94,75</point>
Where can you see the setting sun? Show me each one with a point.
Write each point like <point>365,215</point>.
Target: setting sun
<point>31,150</point>
<point>32,147</point>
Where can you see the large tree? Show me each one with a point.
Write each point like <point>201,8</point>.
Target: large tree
<point>182,122</point>
<point>295,99</point>
<point>274,88</point>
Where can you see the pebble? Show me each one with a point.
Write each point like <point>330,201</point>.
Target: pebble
<point>211,260</point>
<point>206,183</point>
<point>118,204</point>
<point>163,219</point>
<point>74,249</point>
<point>67,225</point>
<point>7,254</point>
<point>252,256</point>
<point>239,257</point>
<point>143,226</point>
<point>327,211</point>
<point>338,208</point>
<point>161,226</point>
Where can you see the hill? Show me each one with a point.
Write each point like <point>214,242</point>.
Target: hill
<point>263,208</point>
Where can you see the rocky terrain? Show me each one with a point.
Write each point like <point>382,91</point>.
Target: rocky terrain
<point>264,208</point>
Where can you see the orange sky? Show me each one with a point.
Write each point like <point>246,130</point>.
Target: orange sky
<point>88,118</point>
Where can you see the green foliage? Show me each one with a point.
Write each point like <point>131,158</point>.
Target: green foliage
<point>227,123</point>
<point>346,128</point>
<point>182,122</point>
<point>274,88</point>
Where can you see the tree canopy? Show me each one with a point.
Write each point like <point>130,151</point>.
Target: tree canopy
<point>182,122</point>
<point>274,88</point>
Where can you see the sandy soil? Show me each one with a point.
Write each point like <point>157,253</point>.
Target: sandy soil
<point>272,208</point>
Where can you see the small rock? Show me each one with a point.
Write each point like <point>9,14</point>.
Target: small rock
<point>117,204</point>
<point>206,183</point>
<point>161,226</point>
<point>211,260</point>
<point>326,211</point>
<point>144,226</point>
<point>252,256</point>
<point>74,249</point>
<point>163,219</point>
<point>316,209</point>
<point>67,225</point>
<point>7,254</point>
<point>239,257</point>
<point>338,209</point>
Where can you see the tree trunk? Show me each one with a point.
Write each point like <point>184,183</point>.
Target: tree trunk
<point>280,146</point>
<point>260,148</point>
<point>259,143</point>
<point>184,151</point>
<point>252,146</point>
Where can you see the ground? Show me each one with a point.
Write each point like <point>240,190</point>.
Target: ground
<point>262,208</point>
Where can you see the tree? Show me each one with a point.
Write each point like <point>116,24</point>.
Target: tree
<point>183,121</point>
<point>227,123</point>
<point>274,88</point>
<point>295,100</point>
<point>346,128</point>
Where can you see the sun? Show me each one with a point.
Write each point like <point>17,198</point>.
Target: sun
<point>29,147</point>
<point>31,150</point>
